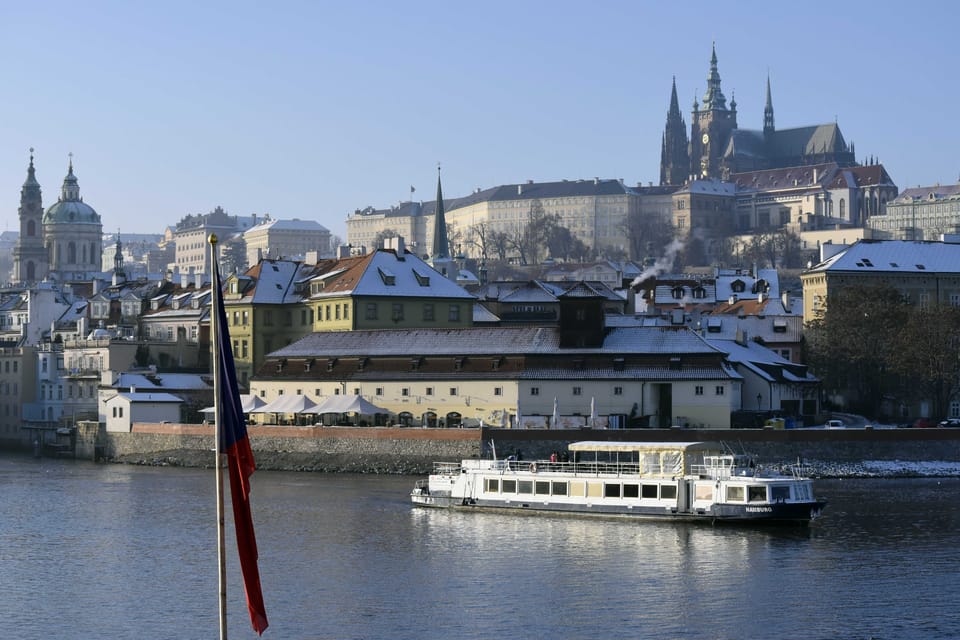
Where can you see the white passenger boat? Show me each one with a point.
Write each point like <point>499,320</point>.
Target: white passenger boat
<point>661,480</point>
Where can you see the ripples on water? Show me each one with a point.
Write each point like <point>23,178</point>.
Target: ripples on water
<point>114,551</point>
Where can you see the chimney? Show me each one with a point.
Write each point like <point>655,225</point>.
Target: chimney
<point>519,189</point>
<point>184,279</point>
<point>199,280</point>
<point>732,299</point>
<point>785,300</point>
<point>343,251</point>
<point>760,297</point>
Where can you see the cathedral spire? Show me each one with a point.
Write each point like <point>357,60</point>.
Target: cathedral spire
<point>714,98</point>
<point>674,154</point>
<point>441,246</point>
<point>768,127</point>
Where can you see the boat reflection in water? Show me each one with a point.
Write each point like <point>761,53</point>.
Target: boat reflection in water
<point>656,480</point>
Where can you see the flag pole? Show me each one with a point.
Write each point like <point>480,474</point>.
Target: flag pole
<point>218,467</point>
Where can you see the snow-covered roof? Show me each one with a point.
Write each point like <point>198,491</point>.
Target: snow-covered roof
<point>139,396</point>
<point>894,256</point>
<point>487,341</point>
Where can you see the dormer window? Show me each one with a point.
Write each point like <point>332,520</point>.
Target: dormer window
<point>387,276</point>
<point>458,363</point>
<point>699,293</point>
<point>738,286</point>
<point>677,293</point>
<point>330,363</point>
<point>422,279</point>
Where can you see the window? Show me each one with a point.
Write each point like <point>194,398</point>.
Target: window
<point>371,311</point>
<point>618,391</point>
<point>428,312</point>
<point>578,391</point>
<point>453,391</point>
<point>268,317</point>
<point>534,391</point>
<point>405,391</point>
<point>428,391</point>
<point>498,391</point>
<point>379,391</point>
<point>453,314</point>
<point>396,313</point>
<point>719,390</point>
<point>246,318</point>
<point>698,390</point>
<point>735,494</point>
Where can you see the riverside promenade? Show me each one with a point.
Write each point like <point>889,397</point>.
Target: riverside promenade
<point>397,450</point>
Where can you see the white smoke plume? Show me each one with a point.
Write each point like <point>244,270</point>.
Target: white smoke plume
<point>662,264</point>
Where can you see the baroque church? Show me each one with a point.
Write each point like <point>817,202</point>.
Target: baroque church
<point>718,148</point>
<point>63,243</point>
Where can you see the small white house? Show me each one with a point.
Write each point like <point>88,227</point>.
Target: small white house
<point>123,409</point>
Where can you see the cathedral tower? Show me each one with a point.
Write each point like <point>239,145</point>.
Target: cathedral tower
<point>710,126</point>
<point>674,150</point>
<point>30,262</point>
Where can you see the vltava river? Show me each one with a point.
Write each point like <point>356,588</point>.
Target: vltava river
<point>93,551</point>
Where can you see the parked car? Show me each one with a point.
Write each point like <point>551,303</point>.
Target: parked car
<point>834,424</point>
<point>950,422</point>
<point>923,423</point>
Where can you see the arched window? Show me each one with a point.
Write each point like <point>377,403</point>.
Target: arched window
<point>93,254</point>
<point>72,253</point>
<point>31,228</point>
<point>843,207</point>
<point>84,254</point>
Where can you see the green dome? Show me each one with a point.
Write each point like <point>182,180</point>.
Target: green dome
<point>71,212</point>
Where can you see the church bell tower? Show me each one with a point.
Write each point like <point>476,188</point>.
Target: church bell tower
<point>30,260</point>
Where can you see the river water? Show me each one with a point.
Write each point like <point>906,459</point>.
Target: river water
<point>114,551</point>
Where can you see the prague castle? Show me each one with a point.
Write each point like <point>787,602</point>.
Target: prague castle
<point>718,148</point>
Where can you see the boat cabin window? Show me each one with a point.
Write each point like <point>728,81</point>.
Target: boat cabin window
<point>649,491</point>
<point>631,491</point>
<point>493,485</point>
<point>525,486</point>
<point>779,493</point>
<point>509,486</point>
<point>757,493</point>
<point>704,492</point>
<point>611,490</point>
<point>559,489</point>
<point>735,494</point>
<point>542,487</point>
<point>668,492</point>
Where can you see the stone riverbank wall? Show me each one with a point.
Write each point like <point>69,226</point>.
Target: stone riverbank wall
<point>413,450</point>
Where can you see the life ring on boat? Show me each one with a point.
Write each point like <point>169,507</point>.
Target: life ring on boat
<point>533,467</point>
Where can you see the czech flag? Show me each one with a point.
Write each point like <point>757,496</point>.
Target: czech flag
<point>236,445</point>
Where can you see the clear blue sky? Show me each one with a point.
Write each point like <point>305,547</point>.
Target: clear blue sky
<point>314,109</point>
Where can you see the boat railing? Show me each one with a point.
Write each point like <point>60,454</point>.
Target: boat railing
<point>446,468</point>
<point>581,468</point>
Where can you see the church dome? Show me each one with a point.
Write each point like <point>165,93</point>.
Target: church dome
<point>70,209</point>
<point>71,212</point>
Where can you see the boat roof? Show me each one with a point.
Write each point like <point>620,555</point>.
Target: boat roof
<point>597,445</point>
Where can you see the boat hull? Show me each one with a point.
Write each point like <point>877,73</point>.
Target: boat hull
<point>796,513</point>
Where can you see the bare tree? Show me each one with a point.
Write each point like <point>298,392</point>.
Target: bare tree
<point>646,234</point>
<point>529,239</point>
